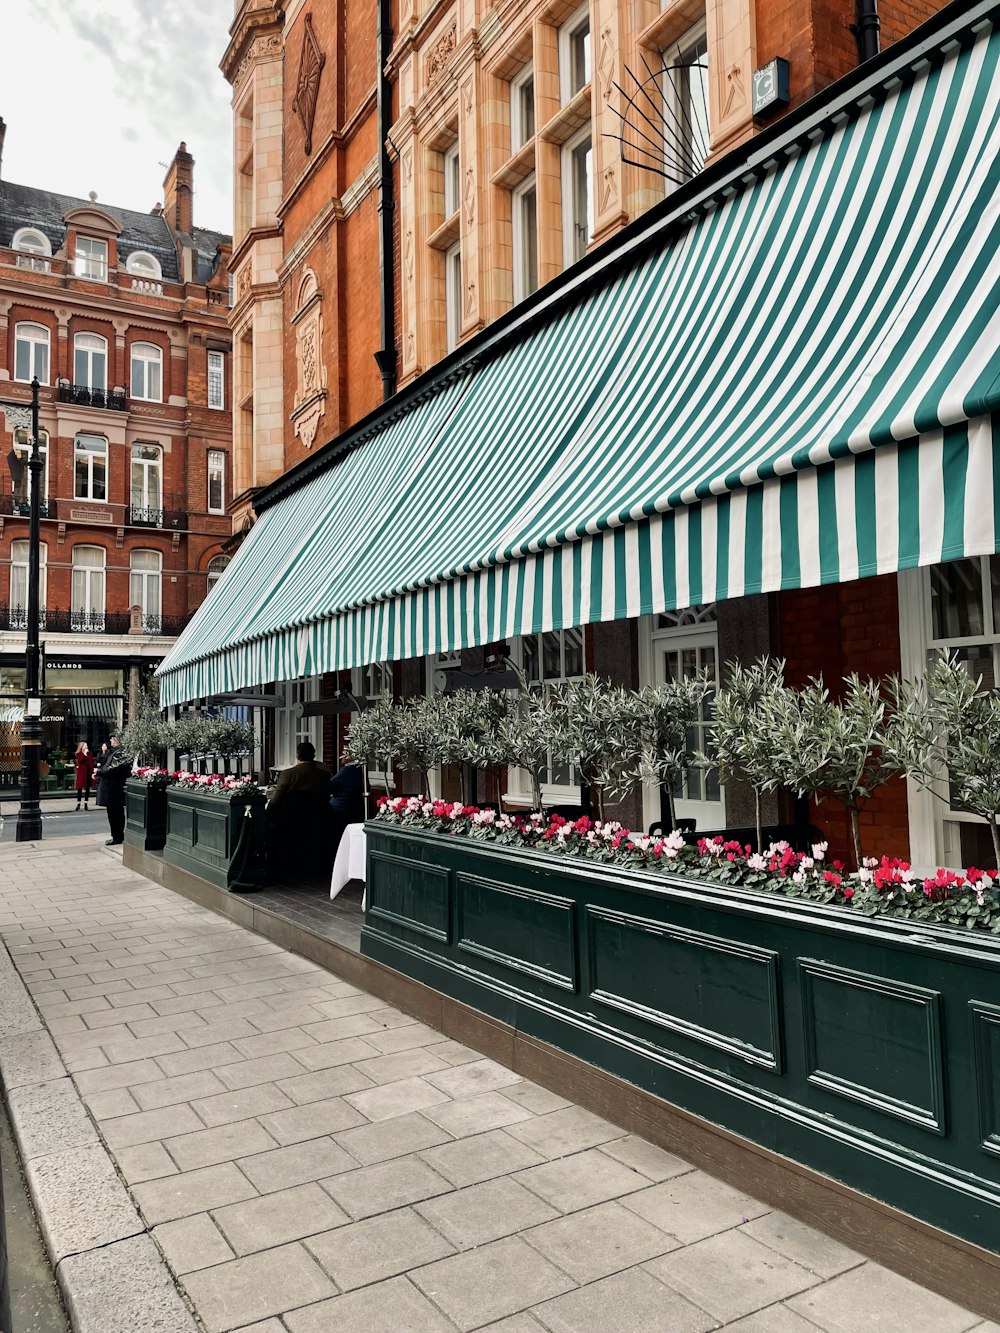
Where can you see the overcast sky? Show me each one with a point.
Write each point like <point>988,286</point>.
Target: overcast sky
<point>97,94</point>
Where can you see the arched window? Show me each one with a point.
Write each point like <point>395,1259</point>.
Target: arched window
<point>87,591</point>
<point>19,582</point>
<point>21,487</point>
<point>90,361</point>
<point>147,372</point>
<point>216,569</point>
<point>31,241</point>
<point>90,467</point>
<point>31,352</point>
<point>146,485</point>
<point>143,265</point>
<point>145,587</point>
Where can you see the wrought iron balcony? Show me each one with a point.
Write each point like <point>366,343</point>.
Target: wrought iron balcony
<point>114,400</point>
<point>57,621</point>
<point>20,508</point>
<point>142,516</point>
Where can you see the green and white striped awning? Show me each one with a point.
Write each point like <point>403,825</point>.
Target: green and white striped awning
<point>794,388</point>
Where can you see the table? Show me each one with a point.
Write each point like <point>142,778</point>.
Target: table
<point>350,860</point>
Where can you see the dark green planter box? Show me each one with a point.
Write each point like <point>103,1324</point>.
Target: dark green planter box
<point>868,1050</point>
<point>203,835</point>
<point>145,815</point>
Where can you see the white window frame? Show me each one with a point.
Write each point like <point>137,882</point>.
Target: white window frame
<point>519,135</point>
<point>147,386</point>
<point>698,629</point>
<point>216,381</point>
<point>217,566</point>
<point>585,136</point>
<point>518,781</point>
<point>31,241</point>
<point>93,581</point>
<point>290,726</point>
<point>142,264</point>
<point>372,681</point>
<point>90,258</point>
<point>568,33</point>
<point>216,471</point>
<point>39,350</point>
<point>19,564</point>
<point>92,456</point>
<point>146,477</point>
<point>519,249</point>
<point>451,165</point>
<point>932,842</point>
<point>453,295</point>
<point>145,586</point>
<point>682,51</point>
<point>89,346</point>
<point>22,447</point>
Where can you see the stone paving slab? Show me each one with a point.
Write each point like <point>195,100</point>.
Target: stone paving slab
<point>222,1137</point>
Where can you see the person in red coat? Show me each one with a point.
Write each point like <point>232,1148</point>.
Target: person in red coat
<point>84,762</point>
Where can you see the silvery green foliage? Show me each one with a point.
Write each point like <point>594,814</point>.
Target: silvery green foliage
<point>194,733</point>
<point>419,738</point>
<point>148,735</point>
<point>946,732</point>
<point>372,739</point>
<point>746,747</point>
<point>663,717</point>
<point>469,720</point>
<point>597,729</point>
<point>523,738</point>
<point>190,734</point>
<point>825,747</point>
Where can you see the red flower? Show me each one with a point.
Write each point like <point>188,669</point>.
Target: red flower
<point>848,894</point>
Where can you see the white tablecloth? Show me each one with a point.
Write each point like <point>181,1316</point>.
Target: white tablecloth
<point>350,862</point>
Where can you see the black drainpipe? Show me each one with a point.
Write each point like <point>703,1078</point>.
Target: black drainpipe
<point>385,357</point>
<point>866,29</point>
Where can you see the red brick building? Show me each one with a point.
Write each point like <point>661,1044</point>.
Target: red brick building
<point>123,318</point>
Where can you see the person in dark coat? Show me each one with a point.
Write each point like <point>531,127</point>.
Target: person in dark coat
<point>296,818</point>
<point>112,770</point>
<point>347,802</point>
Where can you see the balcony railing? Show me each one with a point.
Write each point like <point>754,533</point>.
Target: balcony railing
<point>55,621</point>
<point>83,396</point>
<point>35,262</point>
<point>171,514</point>
<point>18,508</point>
<point>143,516</point>
<point>148,286</point>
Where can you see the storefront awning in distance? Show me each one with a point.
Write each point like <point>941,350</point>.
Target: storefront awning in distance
<point>790,385</point>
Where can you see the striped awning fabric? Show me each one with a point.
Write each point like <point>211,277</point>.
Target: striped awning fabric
<point>794,389</point>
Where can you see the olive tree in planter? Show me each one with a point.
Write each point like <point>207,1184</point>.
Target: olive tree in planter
<point>598,729</point>
<point>419,737</point>
<point>663,720</point>
<point>469,719</point>
<point>825,747</point>
<point>746,748</point>
<point>524,736</point>
<point>946,737</point>
<point>373,740</point>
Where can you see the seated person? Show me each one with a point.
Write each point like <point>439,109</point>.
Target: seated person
<point>347,801</point>
<point>296,817</point>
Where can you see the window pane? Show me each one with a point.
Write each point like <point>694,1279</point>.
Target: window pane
<point>582,207</point>
<point>957,600</point>
<point>551,656</point>
<point>22,360</point>
<point>529,657</point>
<point>573,639</point>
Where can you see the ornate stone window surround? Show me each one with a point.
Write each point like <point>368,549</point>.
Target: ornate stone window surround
<point>310,384</point>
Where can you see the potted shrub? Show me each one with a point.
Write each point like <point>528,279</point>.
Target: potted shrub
<point>146,808</point>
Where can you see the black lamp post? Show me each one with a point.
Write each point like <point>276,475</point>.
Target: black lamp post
<point>29,816</point>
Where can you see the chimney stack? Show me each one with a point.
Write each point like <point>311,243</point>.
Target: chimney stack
<point>178,192</point>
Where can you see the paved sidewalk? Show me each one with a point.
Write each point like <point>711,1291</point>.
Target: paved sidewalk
<point>308,1160</point>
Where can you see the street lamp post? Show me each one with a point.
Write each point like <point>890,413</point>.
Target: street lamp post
<point>29,816</point>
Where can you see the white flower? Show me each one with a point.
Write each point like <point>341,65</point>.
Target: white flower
<point>673,844</point>
<point>819,850</point>
<point>799,877</point>
<point>864,875</point>
<point>870,862</point>
<point>427,808</point>
<point>757,862</point>
<point>806,863</point>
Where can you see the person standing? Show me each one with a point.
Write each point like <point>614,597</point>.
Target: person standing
<point>114,768</point>
<point>84,780</point>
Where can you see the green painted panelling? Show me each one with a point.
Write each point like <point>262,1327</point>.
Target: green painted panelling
<point>517,928</point>
<point>865,1049</point>
<point>705,987</point>
<point>203,838</point>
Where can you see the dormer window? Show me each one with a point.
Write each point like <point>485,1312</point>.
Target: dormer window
<point>33,249</point>
<point>31,242</point>
<point>91,259</point>
<point>142,265</point>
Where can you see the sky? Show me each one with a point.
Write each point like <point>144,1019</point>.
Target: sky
<point>97,94</point>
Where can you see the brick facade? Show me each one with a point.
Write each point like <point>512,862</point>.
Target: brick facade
<point>179,307</point>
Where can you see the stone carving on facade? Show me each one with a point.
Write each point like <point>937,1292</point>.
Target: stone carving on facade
<point>310,388</point>
<point>606,63</point>
<point>259,48</point>
<point>311,62</point>
<point>609,194</point>
<point>408,254</point>
<point>470,196</point>
<point>735,91</point>
<point>441,52</point>
<point>243,285</point>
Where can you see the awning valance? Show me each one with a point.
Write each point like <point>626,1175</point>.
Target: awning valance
<point>795,388</point>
